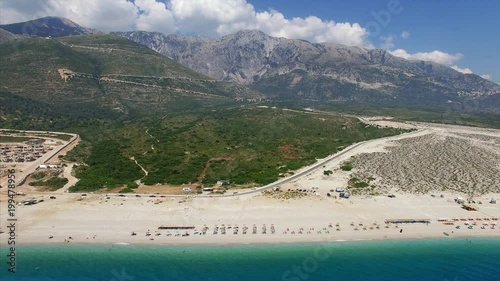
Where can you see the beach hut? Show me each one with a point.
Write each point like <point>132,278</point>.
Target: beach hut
<point>223,182</point>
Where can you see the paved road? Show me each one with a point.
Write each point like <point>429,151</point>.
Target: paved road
<point>299,174</point>
<point>317,165</point>
<point>296,176</point>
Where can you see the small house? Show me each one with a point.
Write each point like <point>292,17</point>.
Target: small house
<point>48,166</point>
<point>223,182</point>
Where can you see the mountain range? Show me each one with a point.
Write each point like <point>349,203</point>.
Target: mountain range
<point>245,65</point>
<point>287,69</point>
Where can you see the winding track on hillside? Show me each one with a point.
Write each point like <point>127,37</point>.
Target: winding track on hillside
<point>300,173</point>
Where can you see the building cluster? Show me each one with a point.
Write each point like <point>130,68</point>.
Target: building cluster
<point>28,151</point>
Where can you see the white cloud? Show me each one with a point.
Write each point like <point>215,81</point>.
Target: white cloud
<point>486,76</point>
<point>226,16</point>
<point>212,17</point>
<point>387,42</point>
<point>462,70</point>
<point>203,17</point>
<point>405,34</point>
<point>311,28</point>
<point>435,56</point>
<point>103,15</point>
<point>154,16</point>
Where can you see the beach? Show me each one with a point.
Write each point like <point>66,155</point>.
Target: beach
<point>96,219</point>
<point>305,209</point>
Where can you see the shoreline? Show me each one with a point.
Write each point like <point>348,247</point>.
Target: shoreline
<point>386,232</point>
<point>261,243</point>
<point>307,209</point>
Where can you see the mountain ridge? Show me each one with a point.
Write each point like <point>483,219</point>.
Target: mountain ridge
<point>6,36</point>
<point>289,69</point>
<point>300,71</point>
<point>107,71</point>
<point>187,41</point>
<point>48,27</point>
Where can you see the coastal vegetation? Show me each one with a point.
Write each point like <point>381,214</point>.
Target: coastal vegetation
<point>244,145</point>
<point>38,175</point>
<point>129,188</point>
<point>347,166</point>
<point>451,115</point>
<point>13,139</point>
<point>327,172</point>
<point>107,167</point>
<point>357,183</point>
<point>54,183</point>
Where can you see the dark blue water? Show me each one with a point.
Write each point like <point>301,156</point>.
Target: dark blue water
<point>439,259</point>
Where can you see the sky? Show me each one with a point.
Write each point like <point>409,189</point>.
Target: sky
<point>462,34</point>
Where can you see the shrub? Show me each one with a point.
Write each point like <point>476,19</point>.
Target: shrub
<point>346,167</point>
<point>54,183</point>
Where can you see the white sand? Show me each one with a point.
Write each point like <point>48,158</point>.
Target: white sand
<point>112,222</point>
<point>96,219</point>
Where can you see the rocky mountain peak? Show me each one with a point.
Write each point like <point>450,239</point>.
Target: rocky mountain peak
<point>48,26</point>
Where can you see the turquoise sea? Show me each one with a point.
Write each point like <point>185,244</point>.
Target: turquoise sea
<point>436,259</point>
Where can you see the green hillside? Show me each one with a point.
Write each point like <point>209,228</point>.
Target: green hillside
<point>106,71</point>
<point>116,55</point>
